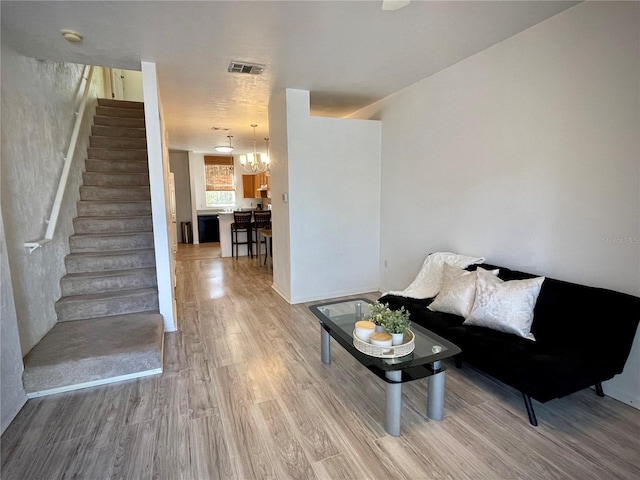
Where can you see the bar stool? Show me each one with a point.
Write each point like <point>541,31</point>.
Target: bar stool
<point>261,219</point>
<point>241,223</point>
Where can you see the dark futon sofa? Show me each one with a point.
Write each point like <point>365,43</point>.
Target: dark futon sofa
<point>583,338</point>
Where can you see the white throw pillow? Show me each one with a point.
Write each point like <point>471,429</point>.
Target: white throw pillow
<point>505,306</point>
<point>458,291</point>
<point>428,282</point>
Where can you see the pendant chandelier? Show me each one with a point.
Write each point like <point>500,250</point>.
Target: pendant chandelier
<point>255,162</point>
<point>225,148</point>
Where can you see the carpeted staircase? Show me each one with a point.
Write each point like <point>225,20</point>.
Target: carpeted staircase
<point>109,328</point>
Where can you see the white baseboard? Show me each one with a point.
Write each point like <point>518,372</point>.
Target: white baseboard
<point>94,383</point>
<point>281,293</point>
<point>620,395</point>
<point>335,294</point>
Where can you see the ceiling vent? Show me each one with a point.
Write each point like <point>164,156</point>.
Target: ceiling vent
<point>243,67</point>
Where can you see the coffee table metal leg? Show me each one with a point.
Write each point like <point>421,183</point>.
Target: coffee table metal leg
<point>394,403</point>
<point>435,400</point>
<point>325,345</point>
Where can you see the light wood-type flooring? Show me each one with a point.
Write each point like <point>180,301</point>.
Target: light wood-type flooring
<point>244,395</point>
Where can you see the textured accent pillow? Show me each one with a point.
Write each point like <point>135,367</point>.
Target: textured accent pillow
<point>428,282</point>
<point>458,291</point>
<point>505,306</point>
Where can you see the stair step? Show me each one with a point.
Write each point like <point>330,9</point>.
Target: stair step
<point>117,194</point>
<point>110,281</point>
<point>116,166</point>
<point>110,102</point>
<point>119,121</point>
<point>114,154</point>
<point>85,353</point>
<point>106,304</point>
<point>93,225</point>
<point>119,112</point>
<point>107,131</point>
<point>115,179</point>
<point>100,242</point>
<point>118,142</point>
<point>96,208</point>
<point>83,262</point>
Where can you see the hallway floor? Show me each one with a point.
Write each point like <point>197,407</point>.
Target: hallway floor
<point>245,396</point>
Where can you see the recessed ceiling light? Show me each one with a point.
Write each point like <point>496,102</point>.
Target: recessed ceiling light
<point>71,36</point>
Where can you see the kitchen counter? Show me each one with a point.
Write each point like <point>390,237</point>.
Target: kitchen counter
<point>225,220</point>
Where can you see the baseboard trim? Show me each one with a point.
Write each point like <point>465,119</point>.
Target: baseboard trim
<point>94,383</point>
<point>334,294</point>
<point>279,292</point>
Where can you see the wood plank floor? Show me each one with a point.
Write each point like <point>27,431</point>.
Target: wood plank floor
<point>245,396</point>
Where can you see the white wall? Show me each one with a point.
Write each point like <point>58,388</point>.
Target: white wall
<point>38,101</point>
<point>334,203</point>
<point>179,166</point>
<point>159,185</point>
<point>279,164</point>
<point>132,85</point>
<point>528,154</point>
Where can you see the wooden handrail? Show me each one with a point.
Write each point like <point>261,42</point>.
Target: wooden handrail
<point>52,221</point>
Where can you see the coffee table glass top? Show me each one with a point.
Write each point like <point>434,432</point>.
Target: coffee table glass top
<point>339,318</point>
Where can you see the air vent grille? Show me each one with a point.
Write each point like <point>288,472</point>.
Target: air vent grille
<point>243,67</point>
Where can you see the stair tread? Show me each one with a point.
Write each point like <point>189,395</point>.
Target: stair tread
<point>113,253</point>
<point>95,350</point>
<point>111,202</point>
<point>107,217</point>
<point>110,234</point>
<point>106,295</point>
<point>109,273</point>
<point>69,334</point>
<point>115,103</point>
<point>137,187</point>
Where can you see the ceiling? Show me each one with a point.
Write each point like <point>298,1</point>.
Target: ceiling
<point>347,54</point>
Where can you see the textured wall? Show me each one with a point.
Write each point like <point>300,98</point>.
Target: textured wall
<point>12,396</point>
<point>37,119</point>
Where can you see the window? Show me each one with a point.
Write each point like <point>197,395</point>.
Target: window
<point>219,179</point>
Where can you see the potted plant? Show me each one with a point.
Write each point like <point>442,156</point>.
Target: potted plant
<point>377,314</point>
<point>396,322</point>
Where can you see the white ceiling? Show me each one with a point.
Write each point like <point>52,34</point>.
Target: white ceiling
<point>347,54</point>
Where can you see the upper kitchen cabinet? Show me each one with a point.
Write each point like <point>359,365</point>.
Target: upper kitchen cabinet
<point>251,185</point>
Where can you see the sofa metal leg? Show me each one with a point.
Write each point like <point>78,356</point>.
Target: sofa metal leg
<point>530,412</point>
<point>458,361</point>
<point>599,390</point>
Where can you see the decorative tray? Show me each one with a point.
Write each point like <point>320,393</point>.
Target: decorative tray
<point>394,351</point>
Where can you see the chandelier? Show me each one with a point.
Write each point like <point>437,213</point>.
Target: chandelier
<point>255,162</point>
<point>225,148</point>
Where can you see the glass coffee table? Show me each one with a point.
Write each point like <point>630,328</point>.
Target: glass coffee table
<point>337,320</point>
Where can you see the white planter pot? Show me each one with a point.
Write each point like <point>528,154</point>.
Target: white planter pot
<point>397,338</point>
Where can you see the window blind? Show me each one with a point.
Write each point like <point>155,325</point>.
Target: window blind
<point>218,173</point>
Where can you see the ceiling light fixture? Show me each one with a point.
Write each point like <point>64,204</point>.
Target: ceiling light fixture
<point>225,148</point>
<point>71,36</point>
<point>255,162</point>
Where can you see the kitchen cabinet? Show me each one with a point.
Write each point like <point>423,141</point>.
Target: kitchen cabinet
<point>251,184</point>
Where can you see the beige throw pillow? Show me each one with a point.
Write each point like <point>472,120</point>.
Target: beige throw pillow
<point>505,306</point>
<point>458,291</point>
